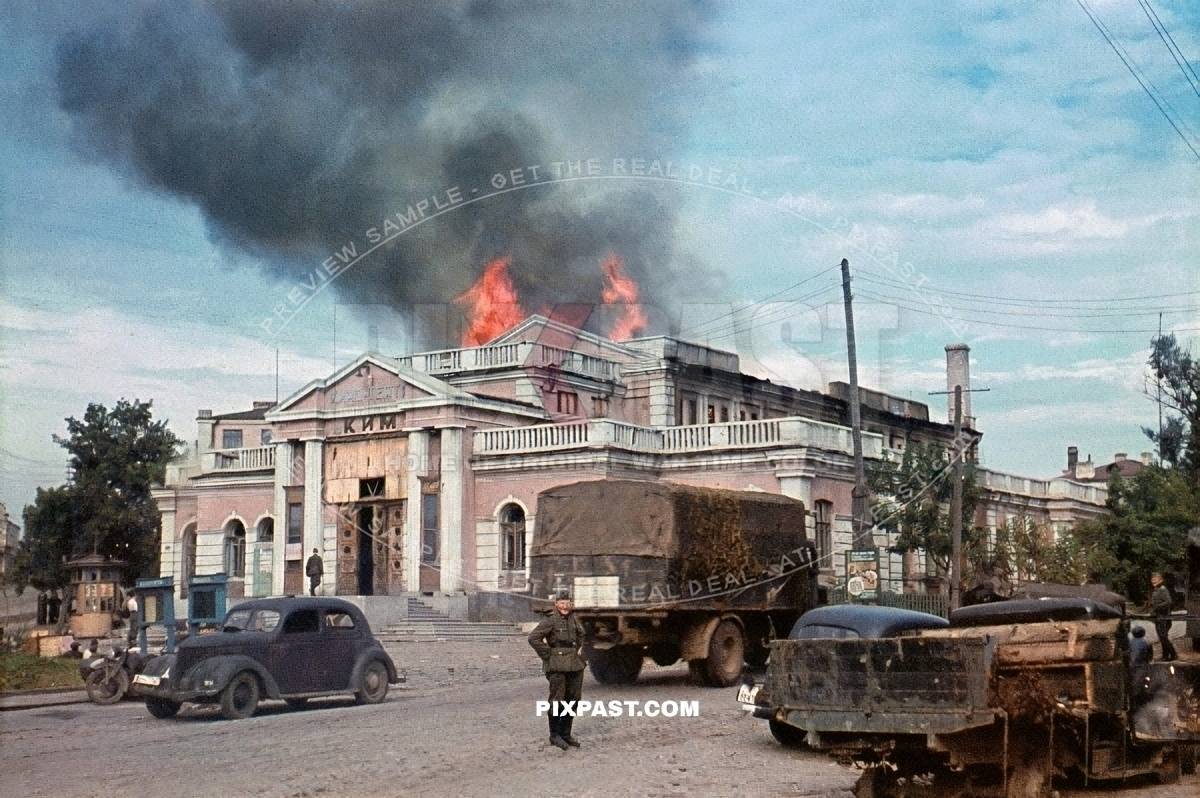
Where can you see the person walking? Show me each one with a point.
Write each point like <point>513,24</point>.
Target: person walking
<point>1160,604</point>
<point>557,641</point>
<point>131,614</point>
<point>315,569</point>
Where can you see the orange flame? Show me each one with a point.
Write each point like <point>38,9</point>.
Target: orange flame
<point>492,304</point>
<point>620,288</point>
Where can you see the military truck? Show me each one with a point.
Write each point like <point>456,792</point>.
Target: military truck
<point>1007,698</point>
<point>672,572</point>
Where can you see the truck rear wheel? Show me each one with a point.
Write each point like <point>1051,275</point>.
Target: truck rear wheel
<point>787,735</point>
<point>726,652</point>
<point>616,665</point>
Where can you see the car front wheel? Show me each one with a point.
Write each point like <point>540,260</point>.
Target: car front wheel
<point>239,699</point>
<point>161,707</point>
<point>372,684</point>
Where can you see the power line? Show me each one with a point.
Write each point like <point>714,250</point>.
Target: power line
<point>985,322</point>
<point>877,277</point>
<point>1132,71</point>
<point>699,328</point>
<point>1189,74</point>
<point>1045,313</point>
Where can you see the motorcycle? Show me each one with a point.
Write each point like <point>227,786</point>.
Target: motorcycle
<point>107,677</point>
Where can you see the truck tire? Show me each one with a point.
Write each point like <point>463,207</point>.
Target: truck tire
<point>726,653</point>
<point>616,665</point>
<point>239,699</point>
<point>162,708</point>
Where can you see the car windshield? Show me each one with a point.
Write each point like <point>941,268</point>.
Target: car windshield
<point>823,632</point>
<point>240,620</point>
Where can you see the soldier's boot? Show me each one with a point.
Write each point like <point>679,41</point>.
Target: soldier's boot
<point>556,733</point>
<point>565,731</point>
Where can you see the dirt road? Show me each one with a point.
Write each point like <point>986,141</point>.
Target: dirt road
<point>463,726</point>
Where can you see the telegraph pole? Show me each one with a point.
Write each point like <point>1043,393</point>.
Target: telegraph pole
<point>858,507</point>
<point>956,499</point>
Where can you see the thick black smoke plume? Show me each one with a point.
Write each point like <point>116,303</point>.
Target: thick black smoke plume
<point>294,126</point>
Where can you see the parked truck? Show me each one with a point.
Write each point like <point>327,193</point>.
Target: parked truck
<point>1006,699</point>
<point>673,572</point>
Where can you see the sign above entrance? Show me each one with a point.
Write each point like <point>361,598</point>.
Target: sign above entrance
<point>358,425</point>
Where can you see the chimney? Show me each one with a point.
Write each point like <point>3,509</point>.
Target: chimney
<point>204,430</point>
<point>1072,459</point>
<point>1120,456</point>
<point>958,372</point>
<point>1147,458</point>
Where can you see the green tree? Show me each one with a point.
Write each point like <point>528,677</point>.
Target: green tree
<point>116,456</point>
<point>1147,531</point>
<point>912,501</point>
<point>1037,555</point>
<point>1177,375</point>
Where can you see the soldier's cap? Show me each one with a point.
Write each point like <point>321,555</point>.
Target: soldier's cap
<point>562,595</point>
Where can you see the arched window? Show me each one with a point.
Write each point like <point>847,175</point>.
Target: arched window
<point>235,549</point>
<point>823,531</point>
<point>266,530</point>
<point>512,537</point>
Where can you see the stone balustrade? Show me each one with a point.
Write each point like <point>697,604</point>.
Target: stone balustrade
<point>257,458</point>
<point>775,432</point>
<point>514,355</point>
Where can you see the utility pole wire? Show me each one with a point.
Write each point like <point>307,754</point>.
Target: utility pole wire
<point>1104,32</point>
<point>1189,74</point>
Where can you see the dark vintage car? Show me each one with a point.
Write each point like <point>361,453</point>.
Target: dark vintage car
<point>281,648</point>
<point>833,622</point>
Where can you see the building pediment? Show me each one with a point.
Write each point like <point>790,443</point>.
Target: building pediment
<point>371,381</point>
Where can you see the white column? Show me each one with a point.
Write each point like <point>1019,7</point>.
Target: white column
<point>167,545</point>
<point>314,507</point>
<point>418,464</point>
<point>283,465</point>
<point>451,510</point>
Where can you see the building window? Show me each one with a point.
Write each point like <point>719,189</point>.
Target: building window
<point>266,530</point>
<point>600,407</point>
<point>235,549</point>
<point>264,437</point>
<point>370,488</point>
<point>231,439</point>
<point>512,537</point>
<point>724,414</point>
<point>691,412</point>
<point>823,532</point>
<point>568,403</point>
<point>429,528</point>
<point>295,523</point>
<point>712,414</point>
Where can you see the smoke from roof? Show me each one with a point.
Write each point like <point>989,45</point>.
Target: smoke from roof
<point>295,126</point>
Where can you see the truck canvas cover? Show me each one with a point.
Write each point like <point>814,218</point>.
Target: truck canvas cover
<point>666,541</point>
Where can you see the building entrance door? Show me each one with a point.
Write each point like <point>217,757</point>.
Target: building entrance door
<point>430,572</point>
<point>366,551</point>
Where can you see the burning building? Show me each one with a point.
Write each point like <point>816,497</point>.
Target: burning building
<point>419,474</point>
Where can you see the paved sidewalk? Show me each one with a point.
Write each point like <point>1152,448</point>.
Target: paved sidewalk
<point>36,699</point>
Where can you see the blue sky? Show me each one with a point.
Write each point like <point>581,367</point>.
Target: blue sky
<point>1000,149</point>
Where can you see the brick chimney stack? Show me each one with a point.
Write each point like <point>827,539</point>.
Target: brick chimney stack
<point>1072,459</point>
<point>958,372</point>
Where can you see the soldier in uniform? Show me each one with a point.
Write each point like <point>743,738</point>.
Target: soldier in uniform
<point>1160,603</point>
<point>557,641</point>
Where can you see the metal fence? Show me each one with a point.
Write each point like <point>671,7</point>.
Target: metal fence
<point>932,603</point>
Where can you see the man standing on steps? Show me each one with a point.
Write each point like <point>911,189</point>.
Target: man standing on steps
<point>315,569</point>
<point>557,641</point>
